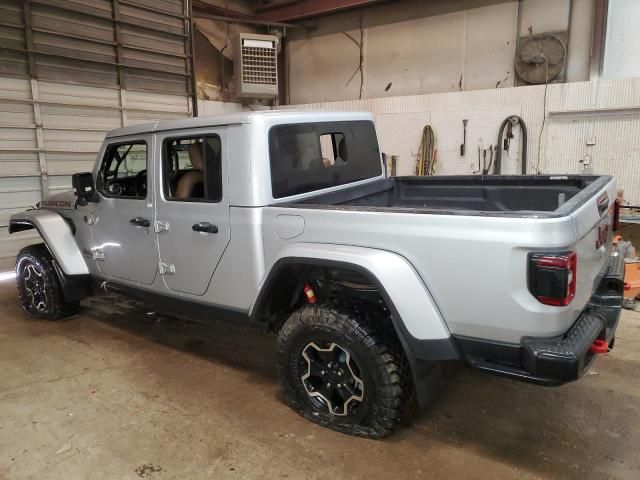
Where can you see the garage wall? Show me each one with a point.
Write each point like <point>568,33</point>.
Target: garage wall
<point>414,47</point>
<point>622,58</point>
<point>597,121</point>
<point>71,71</point>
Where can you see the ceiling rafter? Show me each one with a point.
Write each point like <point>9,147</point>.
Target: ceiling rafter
<point>288,10</point>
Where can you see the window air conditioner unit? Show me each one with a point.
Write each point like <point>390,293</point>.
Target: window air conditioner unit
<point>256,65</point>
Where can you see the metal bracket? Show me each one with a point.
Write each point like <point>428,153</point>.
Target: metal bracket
<point>91,219</point>
<point>97,254</point>
<point>167,269</point>
<point>160,226</point>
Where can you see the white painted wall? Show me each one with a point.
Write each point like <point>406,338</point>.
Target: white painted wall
<point>622,51</point>
<point>575,115</point>
<point>431,46</point>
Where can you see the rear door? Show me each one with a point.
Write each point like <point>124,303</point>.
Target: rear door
<point>192,218</point>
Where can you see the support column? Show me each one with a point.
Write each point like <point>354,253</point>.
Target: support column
<point>117,36</point>
<point>35,96</point>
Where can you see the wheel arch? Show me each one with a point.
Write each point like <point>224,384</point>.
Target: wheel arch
<point>428,342</point>
<point>57,236</point>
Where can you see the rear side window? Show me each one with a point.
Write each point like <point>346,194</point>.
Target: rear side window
<point>192,169</point>
<point>309,156</point>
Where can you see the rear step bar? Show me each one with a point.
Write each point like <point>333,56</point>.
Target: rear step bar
<point>551,361</point>
<point>561,359</point>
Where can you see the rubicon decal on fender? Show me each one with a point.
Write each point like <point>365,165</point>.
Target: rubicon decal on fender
<point>56,203</point>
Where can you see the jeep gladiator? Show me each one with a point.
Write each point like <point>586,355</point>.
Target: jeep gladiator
<point>287,219</point>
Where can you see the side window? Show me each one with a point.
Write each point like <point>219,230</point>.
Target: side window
<point>192,169</point>
<point>123,171</point>
<point>309,156</point>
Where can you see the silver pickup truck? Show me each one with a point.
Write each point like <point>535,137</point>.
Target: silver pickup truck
<point>287,219</point>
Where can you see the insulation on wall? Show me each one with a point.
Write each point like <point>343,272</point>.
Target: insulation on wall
<point>428,47</point>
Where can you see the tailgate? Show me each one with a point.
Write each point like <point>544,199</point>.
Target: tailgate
<point>593,227</point>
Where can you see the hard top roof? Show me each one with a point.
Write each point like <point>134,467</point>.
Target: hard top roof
<point>287,116</point>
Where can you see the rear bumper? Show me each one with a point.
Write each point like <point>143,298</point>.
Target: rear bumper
<point>561,359</point>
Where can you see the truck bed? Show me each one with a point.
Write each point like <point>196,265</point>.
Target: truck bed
<point>539,195</point>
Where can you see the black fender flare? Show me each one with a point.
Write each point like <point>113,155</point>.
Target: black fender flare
<point>423,355</point>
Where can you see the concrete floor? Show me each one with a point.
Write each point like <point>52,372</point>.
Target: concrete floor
<point>117,394</point>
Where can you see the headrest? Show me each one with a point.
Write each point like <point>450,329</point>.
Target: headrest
<point>195,155</point>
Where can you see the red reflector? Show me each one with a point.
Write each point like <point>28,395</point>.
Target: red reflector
<point>616,215</point>
<point>558,262</point>
<point>627,286</point>
<point>599,346</point>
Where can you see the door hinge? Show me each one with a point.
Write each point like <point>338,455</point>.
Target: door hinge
<point>160,226</point>
<point>97,254</point>
<point>167,269</point>
<point>91,219</point>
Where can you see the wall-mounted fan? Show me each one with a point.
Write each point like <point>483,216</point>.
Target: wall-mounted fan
<point>541,58</point>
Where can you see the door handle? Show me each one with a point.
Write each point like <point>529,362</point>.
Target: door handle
<point>205,227</point>
<point>140,222</point>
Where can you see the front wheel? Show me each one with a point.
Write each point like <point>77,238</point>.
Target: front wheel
<point>338,372</point>
<point>38,285</point>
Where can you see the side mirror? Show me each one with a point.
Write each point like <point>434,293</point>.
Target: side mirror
<point>83,187</point>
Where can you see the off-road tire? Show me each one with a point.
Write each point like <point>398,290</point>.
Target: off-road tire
<point>380,360</point>
<point>49,303</point>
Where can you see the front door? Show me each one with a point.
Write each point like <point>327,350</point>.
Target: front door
<point>192,217</point>
<point>123,241</point>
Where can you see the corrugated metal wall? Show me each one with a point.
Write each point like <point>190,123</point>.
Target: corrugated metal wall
<point>597,120</point>
<point>69,72</point>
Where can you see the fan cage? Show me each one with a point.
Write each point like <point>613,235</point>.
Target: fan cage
<point>560,77</point>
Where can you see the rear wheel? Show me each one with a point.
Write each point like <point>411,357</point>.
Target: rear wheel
<point>336,370</point>
<point>38,285</point>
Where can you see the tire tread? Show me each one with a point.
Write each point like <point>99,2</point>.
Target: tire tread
<point>377,335</point>
<point>60,307</point>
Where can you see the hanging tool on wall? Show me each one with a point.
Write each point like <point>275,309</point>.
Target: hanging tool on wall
<point>481,151</point>
<point>394,165</point>
<point>484,167</point>
<point>504,144</point>
<point>426,163</point>
<point>463,146</point>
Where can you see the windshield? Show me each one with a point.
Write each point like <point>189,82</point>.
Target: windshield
<point>310,156</point>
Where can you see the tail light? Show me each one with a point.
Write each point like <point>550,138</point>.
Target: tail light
<point>552,277</point>
<point>616,215</point>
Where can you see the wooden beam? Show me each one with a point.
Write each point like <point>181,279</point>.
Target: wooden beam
<point>287,11</point>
